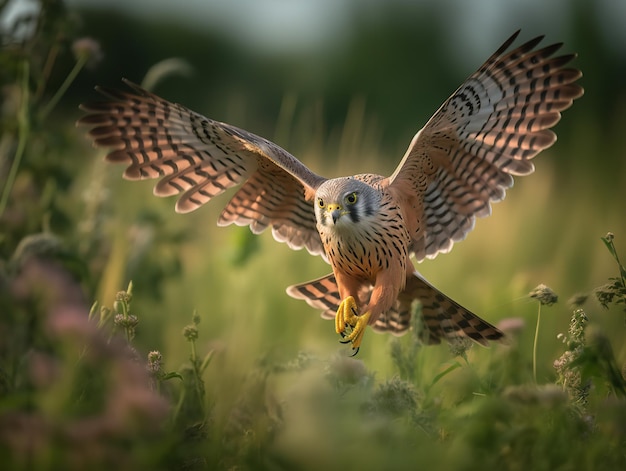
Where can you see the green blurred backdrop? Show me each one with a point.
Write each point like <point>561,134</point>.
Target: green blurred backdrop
<point>343,85</point>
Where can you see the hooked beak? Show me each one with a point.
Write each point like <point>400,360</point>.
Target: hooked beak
<point>336,211</point>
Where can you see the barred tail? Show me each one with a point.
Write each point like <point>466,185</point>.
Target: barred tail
<point>442,318</point>
<point>321,293</point>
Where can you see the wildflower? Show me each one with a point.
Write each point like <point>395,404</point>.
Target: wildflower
<point>190,332</point>
<point>608,292</point>
<point>125,322</point>
<point>615,290</point>
<point>577,325</point>
<point>459,347</point>
<point>343,371</point>
<point>544,295</point>
<point>154,361</point>
<point>395,397</point>
<point>88,50</point>
<point>569,375</point>
<point>123,296</point>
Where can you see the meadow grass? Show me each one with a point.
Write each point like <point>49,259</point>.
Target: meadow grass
<point>204,362</point>
<point>257,380</point>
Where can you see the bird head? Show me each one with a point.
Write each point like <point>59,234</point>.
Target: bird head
<point>343,202</point>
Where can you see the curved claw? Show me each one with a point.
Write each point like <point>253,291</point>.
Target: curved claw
<point>356,350</point>
<point>347,310</point>
<point>347,318</point>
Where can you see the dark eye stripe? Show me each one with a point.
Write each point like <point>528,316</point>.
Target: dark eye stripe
<point>353,211</point>
<point>368,208</point>
<point>363,208</point>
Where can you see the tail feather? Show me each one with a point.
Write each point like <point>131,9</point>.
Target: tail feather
<point>321,293</point>
<point>442,317</point>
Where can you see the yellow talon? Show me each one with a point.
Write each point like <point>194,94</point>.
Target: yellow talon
<point>347,316</point>
<point>347,308</point>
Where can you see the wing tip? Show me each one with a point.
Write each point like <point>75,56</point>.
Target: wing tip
<point>186,205</point>
<point>294,292</point>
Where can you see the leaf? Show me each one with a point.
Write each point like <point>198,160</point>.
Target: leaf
<point>206,361</point>
<point>171,375</point>
<point>608,241</point>
<point>452,366</point>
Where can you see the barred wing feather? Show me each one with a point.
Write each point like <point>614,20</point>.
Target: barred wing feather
<point>465,157</point>
<point>199,158</point>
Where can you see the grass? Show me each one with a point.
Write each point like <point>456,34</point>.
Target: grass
<point>203,362</point>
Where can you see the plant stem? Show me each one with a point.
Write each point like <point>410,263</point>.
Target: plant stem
<point>194,357</point>
<point>47,70</point>
<point>80,62</point>
<point>622,271</point>
<point>23,130</point>
<point>535,343</point>
<point>195,364</point>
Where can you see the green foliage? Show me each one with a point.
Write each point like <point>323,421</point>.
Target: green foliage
<point>615,290</point>
<point>128,382</point>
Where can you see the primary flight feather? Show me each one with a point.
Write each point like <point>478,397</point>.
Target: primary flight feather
<point>366,226</point>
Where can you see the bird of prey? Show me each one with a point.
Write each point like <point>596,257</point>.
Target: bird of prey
<point>366,226</point>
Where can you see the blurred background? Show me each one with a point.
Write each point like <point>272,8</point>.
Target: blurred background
<point>343,85</point>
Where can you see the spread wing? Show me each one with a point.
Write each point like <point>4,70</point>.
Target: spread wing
<point>198,158</point>
<point>465,157</point>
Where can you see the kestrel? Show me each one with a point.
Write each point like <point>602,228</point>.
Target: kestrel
<point>366,226</point>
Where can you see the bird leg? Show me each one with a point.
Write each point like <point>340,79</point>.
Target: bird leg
<point>347,316</point>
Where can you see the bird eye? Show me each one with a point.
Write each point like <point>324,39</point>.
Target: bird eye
<point>351,198</point>
<point>320,202</point>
